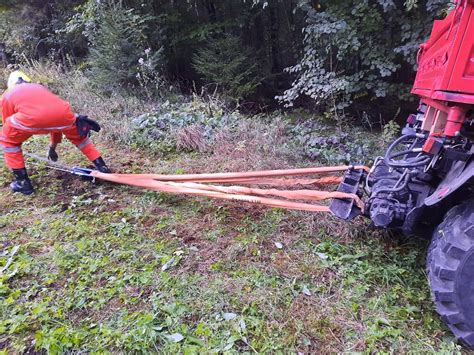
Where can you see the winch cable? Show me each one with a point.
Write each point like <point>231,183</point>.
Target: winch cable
<point>195,184</point>
<point>47,163</point>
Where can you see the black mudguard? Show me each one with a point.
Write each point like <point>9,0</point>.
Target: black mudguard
<point>460,173</point>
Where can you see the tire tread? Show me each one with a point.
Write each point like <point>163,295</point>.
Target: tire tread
<point>451,240</point>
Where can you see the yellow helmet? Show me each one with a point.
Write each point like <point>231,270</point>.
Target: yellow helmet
<point>17,77</point>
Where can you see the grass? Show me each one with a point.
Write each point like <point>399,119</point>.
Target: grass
<point>100,268</point>
<point>103,268</point>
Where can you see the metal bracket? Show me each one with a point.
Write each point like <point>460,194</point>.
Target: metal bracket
<point>346,208</point>
<point>84,172</point>
<point>81,171</point>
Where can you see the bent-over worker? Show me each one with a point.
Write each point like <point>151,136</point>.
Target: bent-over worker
<point>29,109</point>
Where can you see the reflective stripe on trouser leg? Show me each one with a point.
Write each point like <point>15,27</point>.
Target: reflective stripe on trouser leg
<point>84,144</point>
<point>88,149</point>
<point>11,149</point>
<point>10,142</point>
<point>13,157</point>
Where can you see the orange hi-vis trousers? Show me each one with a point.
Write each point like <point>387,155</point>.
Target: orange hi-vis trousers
<point>14,134</point>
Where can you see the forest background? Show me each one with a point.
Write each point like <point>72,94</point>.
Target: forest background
<point>350,58</point>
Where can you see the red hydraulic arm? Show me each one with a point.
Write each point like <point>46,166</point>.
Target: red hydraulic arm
<point>445,77</point>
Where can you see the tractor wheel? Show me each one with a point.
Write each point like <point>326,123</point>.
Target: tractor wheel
<point>450,264</point>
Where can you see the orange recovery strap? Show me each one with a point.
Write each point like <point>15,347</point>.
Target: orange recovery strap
<point>204,185</point>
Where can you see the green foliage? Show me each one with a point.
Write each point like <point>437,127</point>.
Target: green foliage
<point>390,131</point>
<point>355,49</point>
<point>366,268</point>
<point>230,65</point>
<point>161,130</point>
<point>150,75</point>
<point>34,29</point>
<point>318,140</point>
<point>19,37</point>
<point>118,47</point>
<point>90,277</point>
<point>193,125</point>
<point>352,56</point>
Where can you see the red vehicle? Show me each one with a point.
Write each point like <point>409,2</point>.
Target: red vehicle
<point>424,182</point>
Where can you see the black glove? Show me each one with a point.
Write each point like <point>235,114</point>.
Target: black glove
<point>85,125</point>
<point>52,155</point>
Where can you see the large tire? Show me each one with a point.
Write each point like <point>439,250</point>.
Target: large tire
<point>450,264</point>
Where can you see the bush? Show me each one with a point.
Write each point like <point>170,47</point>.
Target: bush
<point>358,52</point>
<point>188,125</point>
<point>19,36</point>
<point>118,48</point>
<point>332,145</point>
<point>203,126</point>
<point>227,63</point>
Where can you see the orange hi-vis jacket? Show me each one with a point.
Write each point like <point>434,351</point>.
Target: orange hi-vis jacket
<point>35,107</point>
<point>29,109</point>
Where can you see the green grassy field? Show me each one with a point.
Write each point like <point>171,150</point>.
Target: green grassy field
<point>96,268</point>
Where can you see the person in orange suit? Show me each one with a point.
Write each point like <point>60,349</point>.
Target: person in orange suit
<point>29,109</point>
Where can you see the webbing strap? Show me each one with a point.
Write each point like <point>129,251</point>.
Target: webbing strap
<point>193,185</point>
<point>155,185</point>
<point>221,177</point>
<point>287,194</point>
<point>327,180</point>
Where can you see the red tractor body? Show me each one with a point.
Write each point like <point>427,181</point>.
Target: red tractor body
<point>445,77</point>
<point>424,182</point>
<point>446,60</point>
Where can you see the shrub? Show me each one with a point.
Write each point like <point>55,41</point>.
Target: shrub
<point>118,47</point>
<point>202,126</point>
<point>227,63</point>
<point>19,36</point>
<point>332,145</point>
<point>188,125</point>
<point>360,51</point>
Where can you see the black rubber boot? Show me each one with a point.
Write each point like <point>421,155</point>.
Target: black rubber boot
<point>22,182</point>
<point>101,166</point>
<point>52,155</point>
